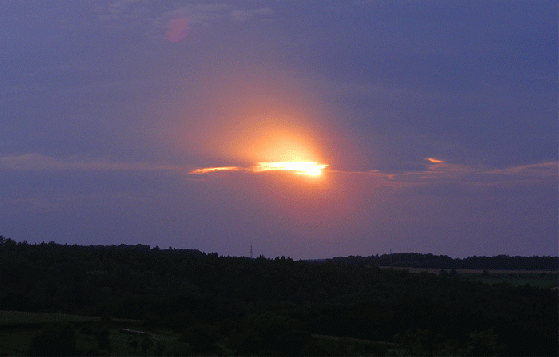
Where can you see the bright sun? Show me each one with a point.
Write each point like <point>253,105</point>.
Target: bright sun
<point>272,147</point>
<point>299,167</point>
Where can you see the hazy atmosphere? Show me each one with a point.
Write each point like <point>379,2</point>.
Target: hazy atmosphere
<point>432,125</point>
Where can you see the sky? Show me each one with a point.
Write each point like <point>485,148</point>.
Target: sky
<point>433,125</point>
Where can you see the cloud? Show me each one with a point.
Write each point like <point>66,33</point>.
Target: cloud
<point>123,8</point>
<point>185,17</point>
<point>436,171</point>
<point>543,172</point>
<point>38,162</point>
<point>442,172</point>
<point>173,22</point>
<point>206,170</point>
<point>298,167</point>
<point>246,15</point>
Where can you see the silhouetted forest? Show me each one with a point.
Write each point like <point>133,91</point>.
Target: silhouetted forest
<point>279,306</point>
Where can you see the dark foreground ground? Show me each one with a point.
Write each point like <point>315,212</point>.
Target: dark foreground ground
<point>134,300</point>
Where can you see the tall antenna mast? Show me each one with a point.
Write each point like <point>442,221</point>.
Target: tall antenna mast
<point>251,251</point>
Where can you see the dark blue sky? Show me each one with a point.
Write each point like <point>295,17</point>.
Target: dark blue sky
<point>438,120</point>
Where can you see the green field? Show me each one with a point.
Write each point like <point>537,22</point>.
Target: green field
<point>18,317</point>
<point>17,343</point>
<point>17,330</point>
<point>544,279</point>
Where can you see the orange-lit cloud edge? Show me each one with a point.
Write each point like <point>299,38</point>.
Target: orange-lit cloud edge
<point>297,167</point>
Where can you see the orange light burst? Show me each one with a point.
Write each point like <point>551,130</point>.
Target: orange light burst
<point>300,167</point>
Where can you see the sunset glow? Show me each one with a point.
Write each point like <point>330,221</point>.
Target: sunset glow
<point>300,167</point>
<point>310,129</point>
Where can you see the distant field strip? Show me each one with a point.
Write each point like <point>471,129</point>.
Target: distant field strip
<point>545,279</point>
<point>473,271</point>
<point>20,317</point>
<point>353,340</point>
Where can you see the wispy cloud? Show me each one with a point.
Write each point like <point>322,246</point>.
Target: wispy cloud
<point>173,21</point>
<point>123,8</point>
<point>247,15</point>
<point>207,170</point>
<point>38,162</point>
<point>194,14</point>
<point>439,171</point>
<point>545,171</point>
